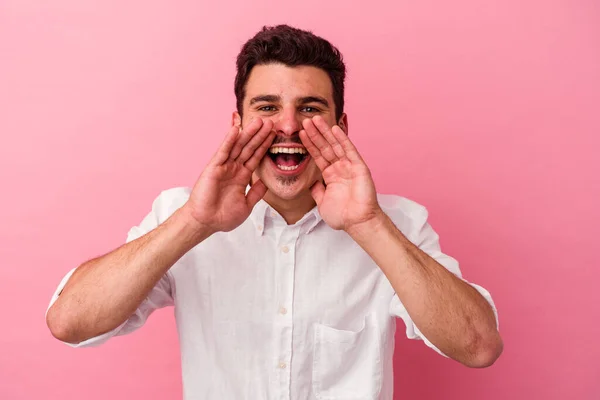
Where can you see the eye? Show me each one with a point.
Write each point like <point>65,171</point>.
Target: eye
<point>266,108</point>
<point>310,110</point>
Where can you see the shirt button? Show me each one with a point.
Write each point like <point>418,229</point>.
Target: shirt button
<point>283,310</point>
<point>259,227</point>
<point>285,249</point>
<point>282,365</point>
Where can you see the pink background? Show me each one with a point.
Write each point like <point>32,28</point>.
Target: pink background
<point>486,112</point>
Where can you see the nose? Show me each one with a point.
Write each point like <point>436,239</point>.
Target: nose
<point>288,122</point>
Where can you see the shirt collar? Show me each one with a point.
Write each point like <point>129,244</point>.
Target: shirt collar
<point>263,210</point>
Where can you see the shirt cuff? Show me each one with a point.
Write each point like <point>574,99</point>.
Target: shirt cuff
<point>413,332</point>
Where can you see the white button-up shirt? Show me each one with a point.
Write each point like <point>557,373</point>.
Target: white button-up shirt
<point>277,311</point>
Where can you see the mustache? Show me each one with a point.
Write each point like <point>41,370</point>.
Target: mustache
<point>293,139</point>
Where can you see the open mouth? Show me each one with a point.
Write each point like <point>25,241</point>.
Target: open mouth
<point>288,158</point>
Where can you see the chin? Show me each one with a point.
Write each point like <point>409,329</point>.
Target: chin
<point>288,190</point>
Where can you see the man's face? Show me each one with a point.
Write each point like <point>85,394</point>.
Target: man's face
<point>287,96</point>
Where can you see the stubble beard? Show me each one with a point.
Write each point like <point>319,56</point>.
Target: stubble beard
<point>287,180</point>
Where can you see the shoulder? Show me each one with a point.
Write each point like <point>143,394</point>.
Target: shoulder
<point>406,214</point>
<point>400,205</point>
<point>169,200</point>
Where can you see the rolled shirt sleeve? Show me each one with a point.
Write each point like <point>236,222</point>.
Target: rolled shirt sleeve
<point>427,240</point>
<point>162,293</point>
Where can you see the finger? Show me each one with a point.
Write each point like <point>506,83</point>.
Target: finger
<point>223,153</point>
<point>320,142</point>
<point>255,142</point>
<point>325,130</point>
<point>349,148</point>
<point>256,192</point>
<point>247,133</point>
<point>314,152</point>
<point>260,152</point>
<point>317,190</point>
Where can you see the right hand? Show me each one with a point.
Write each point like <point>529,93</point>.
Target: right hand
<point>218,201</point>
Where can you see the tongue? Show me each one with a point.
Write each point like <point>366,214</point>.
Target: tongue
<point>288,160</point>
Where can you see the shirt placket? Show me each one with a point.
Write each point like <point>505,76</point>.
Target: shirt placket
<point>286,263</point>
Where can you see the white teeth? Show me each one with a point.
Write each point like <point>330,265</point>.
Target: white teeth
<point>290,168</point>
<point>288,150</point>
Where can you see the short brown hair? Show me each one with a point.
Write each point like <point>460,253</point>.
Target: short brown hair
<point>292,47</point>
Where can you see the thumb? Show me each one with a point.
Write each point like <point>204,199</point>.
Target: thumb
<point>256,192</point>
<point>317,190</point>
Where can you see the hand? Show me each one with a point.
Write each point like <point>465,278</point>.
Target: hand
<point>218,201</point>
<point>349,198</point>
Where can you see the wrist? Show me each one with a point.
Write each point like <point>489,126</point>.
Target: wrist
<point>369,227</point>
<point>190,227</point>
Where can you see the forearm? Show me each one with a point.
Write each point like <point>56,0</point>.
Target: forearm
<point>449,312</point>
<point>103,292</point>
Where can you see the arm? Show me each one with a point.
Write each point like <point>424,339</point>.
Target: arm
<point>104,292</point>
<point>449,312</point>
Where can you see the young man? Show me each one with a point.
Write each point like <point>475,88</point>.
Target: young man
<point>286,268</point>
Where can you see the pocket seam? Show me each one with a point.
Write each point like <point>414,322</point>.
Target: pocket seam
<point>319,338</point>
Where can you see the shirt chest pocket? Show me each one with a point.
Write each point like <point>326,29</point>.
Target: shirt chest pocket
<point>347,365</point>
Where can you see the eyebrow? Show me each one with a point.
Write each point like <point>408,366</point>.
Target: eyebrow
<point>268,98</point>
<point>314,99</point>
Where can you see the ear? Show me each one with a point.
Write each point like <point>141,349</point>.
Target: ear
<point>236,119</point>
<point>343,123</point>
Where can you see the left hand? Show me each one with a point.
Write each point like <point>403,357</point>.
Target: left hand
<point>348,199</point>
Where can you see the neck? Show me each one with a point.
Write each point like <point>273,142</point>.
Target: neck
<point>291,210</point>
